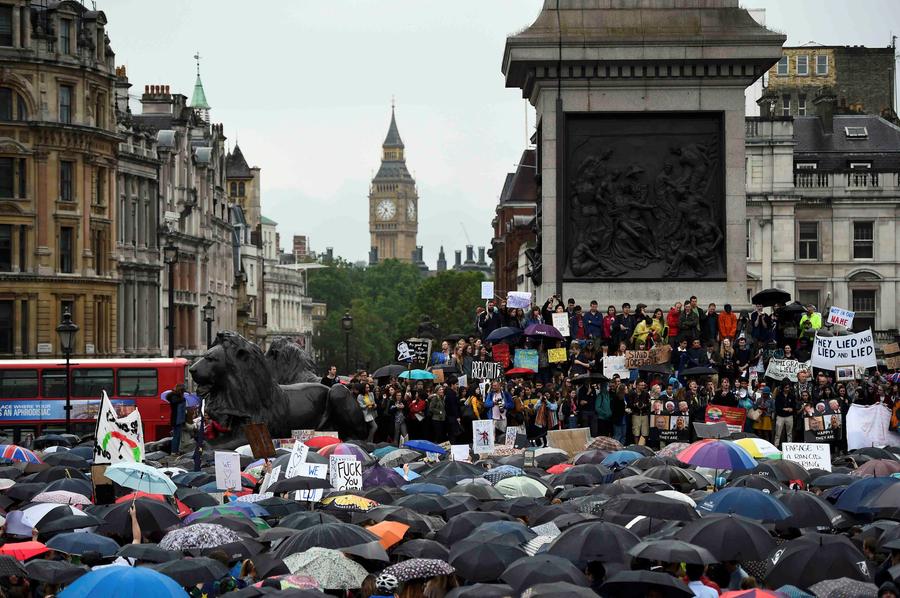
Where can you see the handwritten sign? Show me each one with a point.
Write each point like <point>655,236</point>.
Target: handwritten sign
<point>556,355</point>
<point>459,452</point>
<point>483,437</point>
<point>298,456</point>
<point>486,370</point>
<point>561,323</point>
<point>527,359</point>
<point>829,352</point>
<point>500,354</point>
<point>779,369</point>
<point>638,359</point>
<point>518,299</point>
<point>808,455</point>
<point>840,317</point>
<point>615,365</point>
<point>345,472</point>
<point>414,351</point>
<point>269,479</point>
<point>118,439</point>
<point>487,289</point>
<point>302,435</point>
<point>311,470</point>
<point>228,471</point>
<point>511,432</point>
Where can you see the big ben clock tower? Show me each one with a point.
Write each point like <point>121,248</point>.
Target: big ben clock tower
<point>393,202</point>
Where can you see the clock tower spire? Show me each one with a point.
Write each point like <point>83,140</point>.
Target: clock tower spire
<point>393,201</point>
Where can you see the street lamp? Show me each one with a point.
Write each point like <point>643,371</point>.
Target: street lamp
<point>66,331</point>
<point>209,314</point>
<point>347,326</point>
<point>170,257</point>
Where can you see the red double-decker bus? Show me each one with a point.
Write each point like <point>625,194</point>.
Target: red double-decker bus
<point>33,393</point>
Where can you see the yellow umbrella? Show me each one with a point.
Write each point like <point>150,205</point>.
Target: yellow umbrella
<point>350,502</point>
<point>759,448</point>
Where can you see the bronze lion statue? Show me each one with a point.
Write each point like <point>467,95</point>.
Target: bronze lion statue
<point>239,386</point>
<point>291,363</point>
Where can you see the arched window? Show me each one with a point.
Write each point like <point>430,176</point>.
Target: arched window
<point>12,105</point>
<point>241,189</point>
<point>233,189</point>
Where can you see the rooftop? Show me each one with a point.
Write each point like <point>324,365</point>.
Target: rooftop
<point>236,166</point>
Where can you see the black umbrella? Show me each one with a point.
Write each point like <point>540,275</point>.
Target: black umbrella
<point>53,572</point>
<point>242,549</point>
<point>152,516</point>
<point>326,535</point>
<point>782,470</point>
<point>543,568</point>
<point>758,482</point>
<point>237,523</point>
<point>729,537</point>
<point>833,480</point>
<point>676,476</point>
<point>792,309</point>
<point>481,590</point>
<point>560,589</point>
<point>594,541</point>
<point>67,459</point>
<point>192,571</point>
<point>459,503</point>
<point>280,507</point>
<point>306,519</point>
<point>564,522</point>
<point>48,440</point>
<point>422,549</point>
<point>478,561</point>
<point>389,371</point>
<point>672,551</point>
<point>267,565</point>
<point>770,297</point>
<point>24,491</point>
<point>813,558</point>
<point>482,492</point>
<point>592,377</point>
<point>874,452</point>
<point>663,369</point>
<point>77,485</point>
<point>149,553</point>
<point>626,584</point>
<point>656,507</point>
<point>275,533</point>
<point>418,523</point>
<point>461,526</point>
<point>299,483</point>
<point>196,499</point>
<point>58,472</point>
<point>430,504</point>
<point>66,524</point>
<point>453,469</point>
<point>698,371</point>
<point>807,510</point>
<point>10,566</point>
<point>10,472</point>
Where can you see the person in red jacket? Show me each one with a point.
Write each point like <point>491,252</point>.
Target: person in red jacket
<point>672,319</point>
<point>727,324</point>
<point>609,321</point>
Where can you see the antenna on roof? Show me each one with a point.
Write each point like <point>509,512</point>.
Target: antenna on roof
<point>197,58</point>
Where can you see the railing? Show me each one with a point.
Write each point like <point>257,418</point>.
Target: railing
<point>850,181</point>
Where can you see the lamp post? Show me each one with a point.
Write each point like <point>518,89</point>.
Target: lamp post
<point>347,326</point>
<point>170,257</point>
<point>209,313</point>
<point>66,331</point>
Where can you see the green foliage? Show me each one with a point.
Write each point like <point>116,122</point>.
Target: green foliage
<point>387,302</point>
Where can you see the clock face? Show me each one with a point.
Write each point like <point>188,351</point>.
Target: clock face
<point>410,211</point>
<point>385,210</point>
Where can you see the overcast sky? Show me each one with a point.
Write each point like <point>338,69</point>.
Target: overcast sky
<point>305,86</point>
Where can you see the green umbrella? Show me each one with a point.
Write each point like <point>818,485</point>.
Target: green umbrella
<point>519,486</point>
<point>417,375</point>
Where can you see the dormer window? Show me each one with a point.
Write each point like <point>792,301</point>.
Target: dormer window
<point>856,132</point>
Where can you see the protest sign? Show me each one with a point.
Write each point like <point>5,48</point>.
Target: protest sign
<point>518,299</point>
<point>483,436</point>
<point>415,351</point>
<point>829,352</point>
<point>487,289</point>
<point>500,354</point>
<point>845,373</point>
<point>892,363</point>
<point>615,366</point>
<point>269,479</point>
<point>891,348</point>
<point>869,425</point>
<point>530,458</point>
<point>823,427</point>
<point>438,374</point>
<point>260,441</point>
<point>228,471</point>
<point>459,452</point>
<point>808,455</point>
<point>486,370</point>
<point>779,369</point>
<point>302,435</point>
<point>661,354</point>
<point>511,431</point>
<point>672,428</point>
<point>637,359</point>
<point>561,323</point>
<point>345,472</point>
<point>572,440</point>
<point>311,470</point>
<point>556,355</point>
<point>840,317</point>
<point>118,439</point>
<point>298,456</point>
<point>526,358</point>
<point>734,417</point>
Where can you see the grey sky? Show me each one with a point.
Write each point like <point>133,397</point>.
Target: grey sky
<point>306,88</point>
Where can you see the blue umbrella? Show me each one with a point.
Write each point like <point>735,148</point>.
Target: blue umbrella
<point>417,375</point>
<point>141,477</point>
<point>381,452</point>
<point>749,502</point>
<point>424,488</point>
<point>425,447</point>
<point>502,334</point>
<point>621,458</point>
<point>190,399</point>
<point>853,497</point>
<point>80,542</point>
<point>124,582</point>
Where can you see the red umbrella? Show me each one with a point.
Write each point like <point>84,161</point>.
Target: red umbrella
<point>317,442</point>
<point>520,372</point>
<point>23,550</point>
<point>559,468</point>
<point>183,509</point>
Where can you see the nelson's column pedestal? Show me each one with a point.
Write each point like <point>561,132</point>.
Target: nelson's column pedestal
<point>640,107</point>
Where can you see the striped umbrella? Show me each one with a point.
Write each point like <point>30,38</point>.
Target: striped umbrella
<point>14,452</point>
<point>717,454</point>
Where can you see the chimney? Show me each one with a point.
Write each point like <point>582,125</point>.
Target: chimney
<point>470,254</point>
<point>824,103</point>
<point>156,100</point>
<point>481,261</point>
<point>442,260</point>
<point>122,87</point>
<point>458,263</point>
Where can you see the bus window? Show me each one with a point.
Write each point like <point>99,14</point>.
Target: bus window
<point>89,382</point>
<point>137,383</point>
<point>18,384</point>
<point>53,383</point>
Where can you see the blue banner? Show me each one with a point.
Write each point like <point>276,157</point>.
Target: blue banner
<point>54,409</point>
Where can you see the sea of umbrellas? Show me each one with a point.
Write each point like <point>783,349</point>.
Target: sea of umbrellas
<point>608,521</point>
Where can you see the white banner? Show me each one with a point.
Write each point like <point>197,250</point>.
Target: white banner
<point>486,370</point>
<point>118,439</point>
<point>867,425</point>
<point>779,369</point>
<point>228,471</point>
<point>613,365</point>
<point>808,454</point>
<point>831,352</point>
<point>841,317</point>
<point>561,323</point>
<point>483,437</point>
<point>518,299</point>
<point>311,470</point>
<point>345,472</point>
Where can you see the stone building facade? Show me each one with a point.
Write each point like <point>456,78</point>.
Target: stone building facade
<point>58,143</point>
<point>514,224</point>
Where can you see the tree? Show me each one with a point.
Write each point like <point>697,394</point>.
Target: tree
<point>449,299</point>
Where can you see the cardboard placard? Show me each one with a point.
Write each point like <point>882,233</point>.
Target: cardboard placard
<point>511,432</point>
<point>228,471</point>
<point>302,435</point>
<point>733,417</point>
<point>486,370</point>
<point>809,455</point>
<point>572,441</point>
<point>638,359</point>
<point>483,437</point>
<point>892,363</point>
<point>259,440</point>
<point>556,355</point>
<point>438,374</point>
<point>779,369</point>
<point>891,348</point>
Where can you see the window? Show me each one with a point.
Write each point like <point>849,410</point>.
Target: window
<point>137,383</point>
<point>801,105</point>
<point>806,165</point>
<point>782,68</point>
<point>6,326</point>
<point>748,238</point>
<point>821,64</point>
<point>12,105</point>
<point>6,248</point>
<point>66,249</point>
<point>65,103</point>
<point>864,305</point>
<point>807,296</point>
<point>241,189</point>
<point>65,36</point>
<point>18,384</point>
<point>6,25</point>
<point>53,384</point>
<point>89,382</point>
<point>802,64</point>
<point>809,240</point>
<point>23,327</point>
<point>12,178</point>
<point>863,240</point>
<point>66,180</point>
<point>856,132</point>
<point>860,165</point>
<point>100,196</point>
<point>786,105</point>
<point>233,187</point>
<point>98,249</point>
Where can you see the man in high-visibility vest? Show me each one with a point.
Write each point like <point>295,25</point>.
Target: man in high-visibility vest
<point>810,322</point>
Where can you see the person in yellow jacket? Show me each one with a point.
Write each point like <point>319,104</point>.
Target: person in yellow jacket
<point>810,322</point>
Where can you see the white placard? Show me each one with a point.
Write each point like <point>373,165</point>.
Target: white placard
<point>45,347</point>
<point>459,452</point>
<point>613,365</point>
<point>869,425</point>
<point>518,299</point>
<point>345,472</point>
<point>808,454</point>
<point>779,369</point>
<point>298,456</point>
<point>270,478</point>
<point>841,317</point>
<point>487,289</point>
<point>483,436</point>
<point>511,431</point>
<point>830,352</point>
<point>228,471</point>
<point>311,470</point>
<point>463,381</point>
<point>118,439</point>
<point>486,370</point>
<point>561,323</point>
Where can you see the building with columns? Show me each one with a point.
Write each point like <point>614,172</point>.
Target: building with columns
<point>58,143</point>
